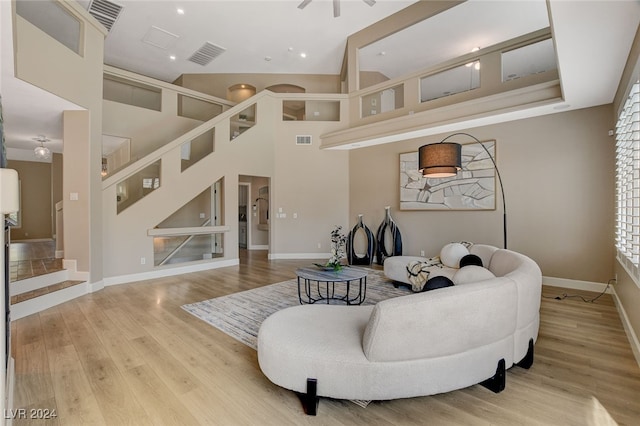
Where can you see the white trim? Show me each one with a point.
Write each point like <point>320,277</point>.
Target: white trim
<point>629,267</point>
<point>259,247</point>
<point>33,240</point>
<point>276,256</point>
<point>168,272</point>
<point>93,287</point>
<point>628,329</point>
<point>8,398</point>
<point>46,301</point>
<point>575,284</point>
<point>193,230</point>
<point>71,265</point>
<point>40,281</point>
<point>59,254</point>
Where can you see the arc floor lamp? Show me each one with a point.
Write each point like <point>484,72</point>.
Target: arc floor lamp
<point>444,159</point>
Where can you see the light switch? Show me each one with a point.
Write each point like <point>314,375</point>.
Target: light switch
<point>73,196</point>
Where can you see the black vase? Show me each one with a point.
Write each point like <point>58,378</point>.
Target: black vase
<point>352,257</point>
<point>396,238</point>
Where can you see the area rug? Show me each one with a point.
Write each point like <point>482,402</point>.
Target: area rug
<point>240,314</point>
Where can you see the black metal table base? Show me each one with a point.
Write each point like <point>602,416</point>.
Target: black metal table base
<point>325,291</point>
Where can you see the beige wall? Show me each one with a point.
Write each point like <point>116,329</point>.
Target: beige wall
<point>36,214</point>
<point>303,180</point>
<point>559,187</point>
<point>217,84</point>
<point>77,78</point>
<point>141,125</point>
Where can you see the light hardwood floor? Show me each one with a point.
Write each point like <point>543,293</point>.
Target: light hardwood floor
<point>130,355</point>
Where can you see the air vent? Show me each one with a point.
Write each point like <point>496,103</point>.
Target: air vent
<point>105,12</point>
<point>303,139</point>
<point>207,53</point>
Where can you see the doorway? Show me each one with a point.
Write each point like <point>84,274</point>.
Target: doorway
<point>244,218</point>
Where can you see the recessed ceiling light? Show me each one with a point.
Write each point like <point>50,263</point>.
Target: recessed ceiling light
<point>303,55</point>
<point>180,11</point>
<point>172,57</point>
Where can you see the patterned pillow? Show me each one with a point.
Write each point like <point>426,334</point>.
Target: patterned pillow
<point>418,271</point>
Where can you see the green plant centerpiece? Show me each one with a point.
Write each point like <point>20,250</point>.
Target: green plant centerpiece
<point>338,242</point>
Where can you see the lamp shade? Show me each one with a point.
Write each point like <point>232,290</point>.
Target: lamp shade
<point>9,191</point>
<point>440,160</point>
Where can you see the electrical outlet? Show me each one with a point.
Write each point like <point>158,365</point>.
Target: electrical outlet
<point>319,245</point>
<point>143,260</point>
<point>422,253</point>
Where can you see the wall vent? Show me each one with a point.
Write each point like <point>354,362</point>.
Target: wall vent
<point>303,139</point>
<point>207,53</point>
<point>105,12</point>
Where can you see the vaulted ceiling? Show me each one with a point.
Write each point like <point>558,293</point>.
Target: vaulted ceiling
<point>154,38</point>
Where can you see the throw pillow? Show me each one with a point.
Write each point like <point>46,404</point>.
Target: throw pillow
<point>451,254</point>
<point>472,274</point>
<point>437,282</point>
<point>470,259</point>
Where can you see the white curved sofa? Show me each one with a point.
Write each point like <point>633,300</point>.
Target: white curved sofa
<point>414,345</point>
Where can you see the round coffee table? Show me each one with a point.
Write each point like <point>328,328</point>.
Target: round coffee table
<point>325,285</point>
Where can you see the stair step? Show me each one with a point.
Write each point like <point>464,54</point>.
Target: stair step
<point>44,290</point>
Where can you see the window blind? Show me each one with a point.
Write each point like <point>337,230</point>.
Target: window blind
<point>627,238</point>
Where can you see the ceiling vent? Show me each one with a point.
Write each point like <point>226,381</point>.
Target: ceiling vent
<point>303,139</point>
<point>105,12</point>
<point>207,53</point>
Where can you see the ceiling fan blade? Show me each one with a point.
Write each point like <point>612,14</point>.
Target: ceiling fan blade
<point>370,2</point>
<point>304,4</point>
<point>336,8</point>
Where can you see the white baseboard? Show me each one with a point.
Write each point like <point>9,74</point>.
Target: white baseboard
<point>167,272</point>
<point>46,301</point>
<point>575,284</point>
<point>258,247</point>
<point>288,256</point>
<point>628,329</point>
<point>59,254</point>
<point>93,287</point>
<point>71,265</point>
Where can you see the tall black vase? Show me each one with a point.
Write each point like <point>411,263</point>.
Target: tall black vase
<point>396,238</point>
<point>352,257</point>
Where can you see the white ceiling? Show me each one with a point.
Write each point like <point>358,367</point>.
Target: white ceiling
<point>592,38</point>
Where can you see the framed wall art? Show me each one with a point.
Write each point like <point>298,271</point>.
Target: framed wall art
<point>473,188</point>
